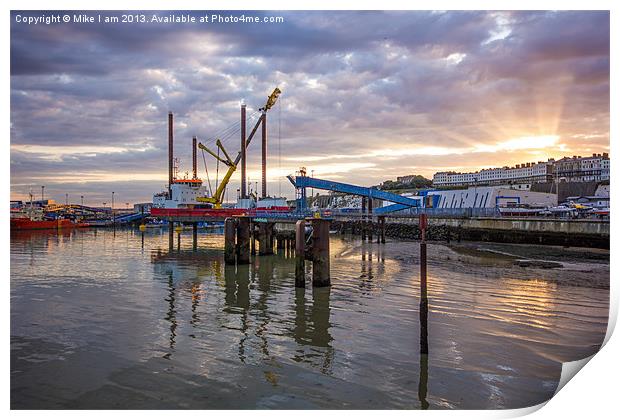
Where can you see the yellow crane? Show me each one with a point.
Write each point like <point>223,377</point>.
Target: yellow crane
<point>216,199</point>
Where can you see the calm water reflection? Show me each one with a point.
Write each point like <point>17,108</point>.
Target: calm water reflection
<point>103,319</point>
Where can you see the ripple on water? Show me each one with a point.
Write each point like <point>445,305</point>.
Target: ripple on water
<point>118,310</point>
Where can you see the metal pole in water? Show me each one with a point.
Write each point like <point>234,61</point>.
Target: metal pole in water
<point>171,235</point>
<point>320,253</point>
<point>300,262</point>
<point>229,240</point>
<point>252,238</point>
<point>423,288</point>
<point>363,220</point>
<point>370,226</point>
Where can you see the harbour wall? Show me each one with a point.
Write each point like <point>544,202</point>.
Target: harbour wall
<point>578,233</point>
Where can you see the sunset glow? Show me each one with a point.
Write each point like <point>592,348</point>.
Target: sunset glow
<point>486,89</point>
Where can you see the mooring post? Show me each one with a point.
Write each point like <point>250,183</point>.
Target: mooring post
<point>243,240</point>
<point>229,240</point>
<point>280,242</point>
<point>265,238</point>
<point>171,235</point>
<point>262,238</point>
<point>252,238</point>
<point>370,222</point>
<point>423,288</point>
<point>300,261</point>
<point>320,253</point>
<point>195,235</point>
<point>382,229</point>
<point>270,238</point>
<point>363,220</point>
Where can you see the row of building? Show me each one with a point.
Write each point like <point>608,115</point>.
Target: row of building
<point>567,169</point>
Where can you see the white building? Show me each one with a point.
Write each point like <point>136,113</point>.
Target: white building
<point>573,169</point>
<point>491,197</point>
<point>526,174</point>
<point>605,169</point>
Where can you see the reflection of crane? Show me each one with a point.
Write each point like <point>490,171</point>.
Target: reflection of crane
<point>216,199</point>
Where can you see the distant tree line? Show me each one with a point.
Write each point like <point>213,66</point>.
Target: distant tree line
<point>413,182</point>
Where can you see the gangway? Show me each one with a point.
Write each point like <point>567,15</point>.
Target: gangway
<point>127,218</point>
<point>302,182</point>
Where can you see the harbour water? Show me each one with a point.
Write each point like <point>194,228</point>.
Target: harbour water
<point>104,319</point>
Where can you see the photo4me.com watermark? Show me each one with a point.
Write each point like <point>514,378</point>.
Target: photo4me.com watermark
<point>145,18</point>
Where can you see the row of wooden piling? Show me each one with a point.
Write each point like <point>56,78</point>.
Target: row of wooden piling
<point>241,235</point>
<point>171,231</point>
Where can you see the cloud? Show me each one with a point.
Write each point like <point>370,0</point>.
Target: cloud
<point>366,95</point>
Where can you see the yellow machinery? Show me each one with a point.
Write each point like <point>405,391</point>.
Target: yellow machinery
<point>216,199</point>
<point>271,100</point>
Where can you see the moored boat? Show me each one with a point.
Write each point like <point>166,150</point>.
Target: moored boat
<point>25,223</point>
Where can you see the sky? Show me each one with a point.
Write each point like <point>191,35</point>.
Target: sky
<point>366,96</point>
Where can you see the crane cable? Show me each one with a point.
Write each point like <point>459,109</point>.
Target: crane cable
<point>207,170</point>
<point>228,131</point>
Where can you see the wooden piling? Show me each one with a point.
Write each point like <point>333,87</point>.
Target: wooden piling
<point>243,240</point>
<point>252,238</point>
<point>320,253</point>
<point>270,237</point>
<point>195,236</point>
<point>229,240</point>
<point>300,262</point>
<point>382,229</point>
<point>369,219</point>
<point>265,238</point>
<point>280,242</point>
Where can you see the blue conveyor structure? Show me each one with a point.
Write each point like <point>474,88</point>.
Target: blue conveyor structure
<point>303,182</point>
<point>390,208</point>
<point>127,218</point>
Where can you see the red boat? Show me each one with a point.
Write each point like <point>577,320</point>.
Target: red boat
<point>25,223</point>
<point>186,212</point>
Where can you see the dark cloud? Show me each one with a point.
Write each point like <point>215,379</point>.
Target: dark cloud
<point>353,82</point>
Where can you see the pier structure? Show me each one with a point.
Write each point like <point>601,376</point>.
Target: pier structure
<point>309,242</point>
